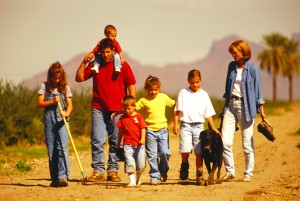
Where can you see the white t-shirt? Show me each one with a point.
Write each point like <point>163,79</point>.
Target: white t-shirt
<point>194,106</point>
<point>42,90</point>
<point>237,86</point>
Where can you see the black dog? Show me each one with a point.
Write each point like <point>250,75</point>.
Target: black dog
<point>212,151</point>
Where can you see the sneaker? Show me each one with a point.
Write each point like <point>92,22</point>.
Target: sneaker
<point>113,176</point>
<point>96,177</point>
<point>62,183</point>
<point>117,70</point>
<point>247,179</point>
<point>54,184</point>
<point>163,177</point>
<point>228,177</point>
<point>131,185</point>
<point>184,171</point>
<point>95,69</point>
<point>153,182</point>
<point>200,179</point>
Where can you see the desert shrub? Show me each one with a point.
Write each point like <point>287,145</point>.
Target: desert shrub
<point>22,166</point>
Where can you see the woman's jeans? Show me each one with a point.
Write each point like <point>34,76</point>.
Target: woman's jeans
<point>232,116</point>
<point>56,136</point>
<point>158,153</point>
<point>103,126</point>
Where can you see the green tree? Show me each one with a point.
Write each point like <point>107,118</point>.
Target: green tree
<point>292,64</point>
<point>273,59</point>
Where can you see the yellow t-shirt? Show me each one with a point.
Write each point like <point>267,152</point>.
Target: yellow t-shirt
<point>155,109</point>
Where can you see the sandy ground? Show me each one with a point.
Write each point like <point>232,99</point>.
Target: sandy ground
<point>276,175</point>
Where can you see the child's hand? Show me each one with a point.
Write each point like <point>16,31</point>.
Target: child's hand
<point>63,114</point>
<point>142,141</point>
<point>175,130</point>
<point>56,99</point>
<point>113,115</point>
<point>217,131</point>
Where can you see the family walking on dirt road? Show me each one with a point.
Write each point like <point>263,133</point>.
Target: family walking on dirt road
<point>115,120</point>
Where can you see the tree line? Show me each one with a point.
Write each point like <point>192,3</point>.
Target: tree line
<point>21,122</point>
<point>281,57</point>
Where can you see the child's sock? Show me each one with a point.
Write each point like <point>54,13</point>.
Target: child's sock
<point>132,180</point>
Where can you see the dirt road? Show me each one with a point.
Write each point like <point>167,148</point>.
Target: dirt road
<point>276,175</point>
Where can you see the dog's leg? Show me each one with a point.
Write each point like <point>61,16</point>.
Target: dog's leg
<point>211,174</point>
<point>219,181</point>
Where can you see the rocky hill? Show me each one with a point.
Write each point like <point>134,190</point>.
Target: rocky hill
<point>213,68</point>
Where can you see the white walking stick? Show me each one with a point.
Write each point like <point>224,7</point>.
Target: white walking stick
<point>67,126</point>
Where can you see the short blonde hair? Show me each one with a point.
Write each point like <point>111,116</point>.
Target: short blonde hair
<point>242,47</point>
<point>128,101</point>
<point>108,29</point>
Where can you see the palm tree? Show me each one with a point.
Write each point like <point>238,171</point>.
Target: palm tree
<point>293,64</point>
<point>273,59</point>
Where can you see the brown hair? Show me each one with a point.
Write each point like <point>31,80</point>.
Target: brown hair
<point>128,101</point>
<point>242,47</point>
<point>108,29</point>
<point>54,69</point>
<point>151,81</point>
<point>194,73</point>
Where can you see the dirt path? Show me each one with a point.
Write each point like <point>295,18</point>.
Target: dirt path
<point>276,175</point>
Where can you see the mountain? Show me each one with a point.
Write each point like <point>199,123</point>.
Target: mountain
<point>173,77</point>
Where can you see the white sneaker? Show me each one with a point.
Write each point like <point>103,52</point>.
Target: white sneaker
<point>117,70</point>
<point>131,185</point>
<point>247,179</point>
<point>154,183</point>
<point>95,69</point>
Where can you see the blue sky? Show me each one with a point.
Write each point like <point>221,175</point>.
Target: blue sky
<point>34,33</point>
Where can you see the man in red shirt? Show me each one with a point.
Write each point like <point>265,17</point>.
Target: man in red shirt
<point>109,89</point>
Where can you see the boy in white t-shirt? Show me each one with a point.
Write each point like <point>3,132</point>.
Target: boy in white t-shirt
<point>193,106</point>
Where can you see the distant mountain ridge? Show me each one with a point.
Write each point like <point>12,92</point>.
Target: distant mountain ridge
<point>213,69</point>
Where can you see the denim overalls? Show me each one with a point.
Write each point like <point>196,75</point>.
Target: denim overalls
<point>56,136</point>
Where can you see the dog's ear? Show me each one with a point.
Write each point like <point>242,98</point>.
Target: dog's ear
<point>202,135</point>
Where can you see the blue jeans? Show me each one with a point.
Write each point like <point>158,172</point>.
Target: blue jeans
<point>134,158</point>
<point>158,153</point>
<point>232,116</point>
<point>117,60</point>
<point>189,137</point>
<point>102,125</point>
<point>56,136</point>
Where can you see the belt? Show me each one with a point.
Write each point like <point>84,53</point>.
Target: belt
<point>236,98</point>
<point>193,124</point>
